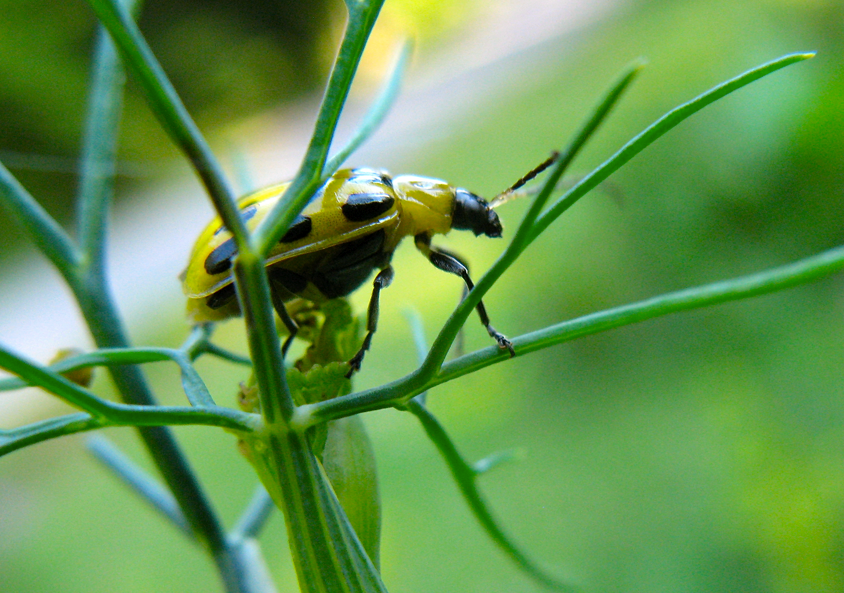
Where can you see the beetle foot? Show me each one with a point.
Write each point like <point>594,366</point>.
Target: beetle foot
<point>502,341</point>
<point>354,364</point>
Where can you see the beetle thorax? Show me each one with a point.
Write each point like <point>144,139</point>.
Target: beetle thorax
<point>426,204</point>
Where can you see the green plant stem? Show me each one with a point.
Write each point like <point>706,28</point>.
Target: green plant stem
<point>401,391</point>
<point>277,405</point>
<point>168,108</point>
<point>446,337</point>
<point>99,149</point>
<point>224,354</point>
<point>99,311</point>
<point>195,388</point>
<point>254,293</point>
<point>466,478</point>
<point>139,481</point>
<point>466,475</point>
<point>377,111</point>
<point>362,17</point>
<point>38,432</point>
<point>255,516</point>
<point>45,232</point>
<point>117,414</point>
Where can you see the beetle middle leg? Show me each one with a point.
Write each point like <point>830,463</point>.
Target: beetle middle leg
<point>382,280</point>
<point>282,283</point>
<point>449,263</point>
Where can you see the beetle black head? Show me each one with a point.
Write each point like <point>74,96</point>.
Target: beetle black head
<point>472,213</point>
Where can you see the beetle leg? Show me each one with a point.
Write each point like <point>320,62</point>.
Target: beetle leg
<point>286,319</point>
<point>448,262</point>
<point>382,280</point>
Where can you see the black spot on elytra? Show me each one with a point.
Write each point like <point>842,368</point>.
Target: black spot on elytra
<point>300,229</point>
<point>366,206</point>
<point>220,260</point>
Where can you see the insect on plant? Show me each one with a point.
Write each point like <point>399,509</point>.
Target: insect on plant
<point>351,227</point>
<point>312,240</point>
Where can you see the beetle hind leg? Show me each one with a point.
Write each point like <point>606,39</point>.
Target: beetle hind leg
<point>448,262</point>
<point>382,280</point>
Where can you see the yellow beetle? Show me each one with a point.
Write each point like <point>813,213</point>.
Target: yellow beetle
<point>351,227</point>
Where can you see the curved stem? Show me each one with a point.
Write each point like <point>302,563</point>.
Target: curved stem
<point>170,111</point>
<point>400,391</point>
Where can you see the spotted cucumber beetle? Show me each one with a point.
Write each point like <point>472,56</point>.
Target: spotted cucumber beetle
<point>351,227</point>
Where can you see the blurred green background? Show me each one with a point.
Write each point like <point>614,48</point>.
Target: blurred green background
<point>700,452</point>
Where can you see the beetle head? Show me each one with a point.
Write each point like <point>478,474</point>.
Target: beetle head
<point>473,213</point>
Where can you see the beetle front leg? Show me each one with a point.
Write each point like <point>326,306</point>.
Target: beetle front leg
<point>448,262</point>
<point>382,280</point>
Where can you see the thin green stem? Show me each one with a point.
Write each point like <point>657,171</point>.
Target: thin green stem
<point>219,352</point>
<point>195,388</point>
<point>466,478</point>
<point>466,475</point>
<point>122,414</point>
<point>99,150</point>
<point>446,337</point>
<point>255,515</point>
<point>44,231</point>
<point>362,16</point>
<point>377,111</point>
<point>277,405</point>
<point>401,391</point>
<point>139,481</point>
<point>253,290</point>
<point>45,430</point>
<point>171,113</point>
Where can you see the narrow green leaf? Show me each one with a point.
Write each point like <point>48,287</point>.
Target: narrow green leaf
<point>654,132</point>
<point>362,17</point>
<point>377,112</point>
<point>466,475</point>
<point>44,231</point>
<point>466,479</point>
<point>38,432</point>
<point>99,149</point>
<point>255,515</point>
<point>587,130</point>
<point>139,481</point>
<point>327,553</point>
<point>170,111</point>
<point>398,392</point>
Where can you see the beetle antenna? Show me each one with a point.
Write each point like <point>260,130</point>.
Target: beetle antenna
<point>510,193</point>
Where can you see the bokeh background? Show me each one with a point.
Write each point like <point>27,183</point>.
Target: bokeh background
<point>701,452</point>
